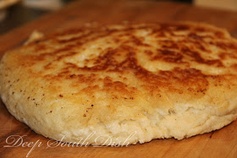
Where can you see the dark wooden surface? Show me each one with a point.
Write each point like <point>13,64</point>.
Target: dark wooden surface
<point>221,143</point>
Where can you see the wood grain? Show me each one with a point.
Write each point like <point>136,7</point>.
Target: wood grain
<point>221,143</point>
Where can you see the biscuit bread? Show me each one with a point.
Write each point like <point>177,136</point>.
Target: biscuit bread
<point>123,84</point>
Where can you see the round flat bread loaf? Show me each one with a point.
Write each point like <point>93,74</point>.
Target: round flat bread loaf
<point>123,84</point>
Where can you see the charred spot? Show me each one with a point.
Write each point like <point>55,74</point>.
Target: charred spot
<point>181,27</point>
<point>171,111</point>
<point>211,135</point>
<point>200,29</point>
<point>89,108</point>
<point>60,95</point>
<point>131,98</point>
<point>194,36</point>
<point>226,45</point>
<point>114,97</point>
<point>219,34</point>
<point>72,76</point>
<point>168,55</point>
<point>40,47</point>
<point>196,56</point>
<point>216,63</point>
<point>148,52</point>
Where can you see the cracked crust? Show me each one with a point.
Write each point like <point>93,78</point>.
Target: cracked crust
<point>123,84</point>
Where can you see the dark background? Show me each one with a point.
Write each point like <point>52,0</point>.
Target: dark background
<point>18,15</point>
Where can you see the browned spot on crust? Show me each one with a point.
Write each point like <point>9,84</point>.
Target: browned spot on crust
<point>122,51</point>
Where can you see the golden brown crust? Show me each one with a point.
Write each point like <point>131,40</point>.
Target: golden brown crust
<point>128,72</point>
<point>184,47</point>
